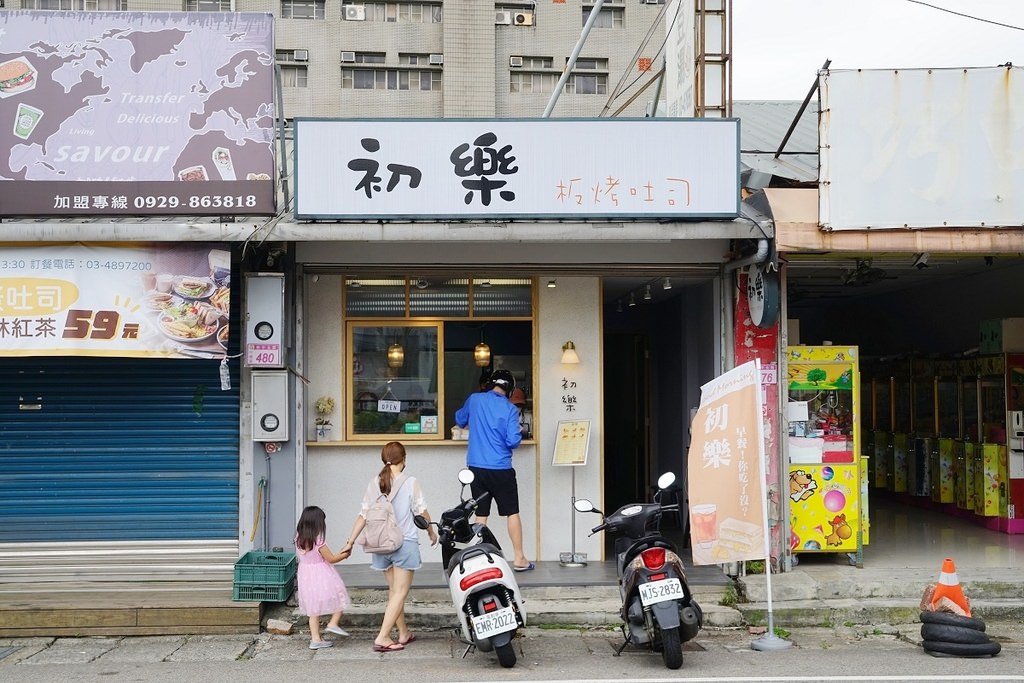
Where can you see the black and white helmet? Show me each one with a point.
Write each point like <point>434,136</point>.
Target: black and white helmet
<point>503,379</point>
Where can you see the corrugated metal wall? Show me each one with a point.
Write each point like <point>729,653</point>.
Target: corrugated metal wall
<point>95,449</point>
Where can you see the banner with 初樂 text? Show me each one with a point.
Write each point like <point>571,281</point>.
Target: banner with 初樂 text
<point>80,300</point>
<point>728,513</point>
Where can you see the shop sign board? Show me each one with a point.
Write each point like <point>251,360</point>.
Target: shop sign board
<point>136,114</point>
<point>145,302</point>
<point>922,148</point>
<point>728,504</point>
<point>452,169</point>
<point>679,50</point>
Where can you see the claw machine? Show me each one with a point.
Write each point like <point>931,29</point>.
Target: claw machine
<point>922,424</point>
<point>991,475</point>
<point>827,488</point>
<point>902,426</point>
<point>882,425</point>
<point>967,490</point>
<point>946,467</point>
<point>1015,441</point>
<point>876,421</point>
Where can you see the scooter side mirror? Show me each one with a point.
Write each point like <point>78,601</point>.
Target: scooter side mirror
<point>466,476</point>
<point>421,522</point>
<point>584,505</point>
<point>666,480</point>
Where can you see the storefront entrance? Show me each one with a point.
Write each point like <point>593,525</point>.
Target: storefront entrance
<point>661,343</point>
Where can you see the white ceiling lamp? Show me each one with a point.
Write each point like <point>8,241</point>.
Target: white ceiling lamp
<point>647,293</point>
<point>667,284</point>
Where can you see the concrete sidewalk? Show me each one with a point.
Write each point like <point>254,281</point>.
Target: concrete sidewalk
<point>821,594</point>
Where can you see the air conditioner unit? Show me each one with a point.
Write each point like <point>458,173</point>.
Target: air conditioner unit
<point>523,19</point>
<point>355,13</point>
<point>301,56</point>
<point>515,61</point>
<point>437,59</point>
<point>503,17</point>
<point>348,56</point>
<point>652,2</point>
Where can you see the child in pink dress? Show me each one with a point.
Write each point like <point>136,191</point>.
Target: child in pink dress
<point>321,590</point>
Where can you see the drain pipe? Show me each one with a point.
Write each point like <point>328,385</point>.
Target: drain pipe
<point>760,256</point>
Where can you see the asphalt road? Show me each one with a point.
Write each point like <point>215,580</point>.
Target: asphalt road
<point>847,653</point>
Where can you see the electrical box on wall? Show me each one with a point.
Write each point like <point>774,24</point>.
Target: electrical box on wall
<point>264,320</point>
<point>269,405</point>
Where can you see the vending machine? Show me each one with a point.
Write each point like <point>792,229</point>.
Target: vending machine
<point>826,499</point>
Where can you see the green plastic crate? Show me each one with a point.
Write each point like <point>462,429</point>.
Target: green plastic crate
<point>260,567</point>
<point>262,593</point>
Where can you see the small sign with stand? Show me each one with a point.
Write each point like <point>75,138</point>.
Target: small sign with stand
<point>572,441</point>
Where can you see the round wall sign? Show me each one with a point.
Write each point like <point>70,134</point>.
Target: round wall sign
<point>763,295</point>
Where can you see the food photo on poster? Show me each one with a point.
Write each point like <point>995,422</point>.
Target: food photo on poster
<point>167,302</point>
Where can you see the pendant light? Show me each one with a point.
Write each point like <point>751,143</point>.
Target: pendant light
<point>482,355</point>
<point>482,352</point>
<point>396,356</point>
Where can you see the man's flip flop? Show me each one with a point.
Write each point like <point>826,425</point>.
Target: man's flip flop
<point>390,647</point>
<point>524,569</point>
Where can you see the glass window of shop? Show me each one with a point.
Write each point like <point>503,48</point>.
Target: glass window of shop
<point>417,345</point>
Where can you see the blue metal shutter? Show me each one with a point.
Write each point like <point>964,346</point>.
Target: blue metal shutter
<point>117,449</point>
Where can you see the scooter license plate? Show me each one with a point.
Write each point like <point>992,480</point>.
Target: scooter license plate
<point>660,591</point>
<point>493,623</point>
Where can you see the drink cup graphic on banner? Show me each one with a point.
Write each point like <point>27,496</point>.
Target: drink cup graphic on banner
<point>705,524</point>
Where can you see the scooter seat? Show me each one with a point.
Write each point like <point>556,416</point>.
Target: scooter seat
<point>479,549</point>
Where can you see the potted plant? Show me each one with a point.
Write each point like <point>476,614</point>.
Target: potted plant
<point>324,409</point>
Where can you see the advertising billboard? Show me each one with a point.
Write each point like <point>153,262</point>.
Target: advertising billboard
<point>660,169</point>
<point>922,148</point>
<point>143,302</point>
<point>136,113</point>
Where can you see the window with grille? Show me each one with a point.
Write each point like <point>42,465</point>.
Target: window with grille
<point>391,79</point>
<point>537,62</point>
<point>410,345</point>
<point>532,82</point>
<point>404,12</point>
<point>207,5</point>
<point>608,17</point>
<point>587,83</point>
<point>79,5</point>
<point>303,9</point>
<point>293,75</point>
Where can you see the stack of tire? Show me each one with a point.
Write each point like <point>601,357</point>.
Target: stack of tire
<point>950,635</point>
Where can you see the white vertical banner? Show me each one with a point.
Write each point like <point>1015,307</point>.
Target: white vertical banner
<point>727,490</point>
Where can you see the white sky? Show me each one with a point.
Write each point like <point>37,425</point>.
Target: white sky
<point>778,45</point>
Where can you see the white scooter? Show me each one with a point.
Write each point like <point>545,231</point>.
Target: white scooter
<point>482,583</point>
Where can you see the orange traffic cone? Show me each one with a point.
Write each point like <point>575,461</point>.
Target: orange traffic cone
<point>949,587</point>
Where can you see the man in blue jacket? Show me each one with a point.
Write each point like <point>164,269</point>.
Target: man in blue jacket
<point>494,433</point>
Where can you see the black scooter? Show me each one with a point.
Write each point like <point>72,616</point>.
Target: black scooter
<point>658,611</point>
<point>484,590</point>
